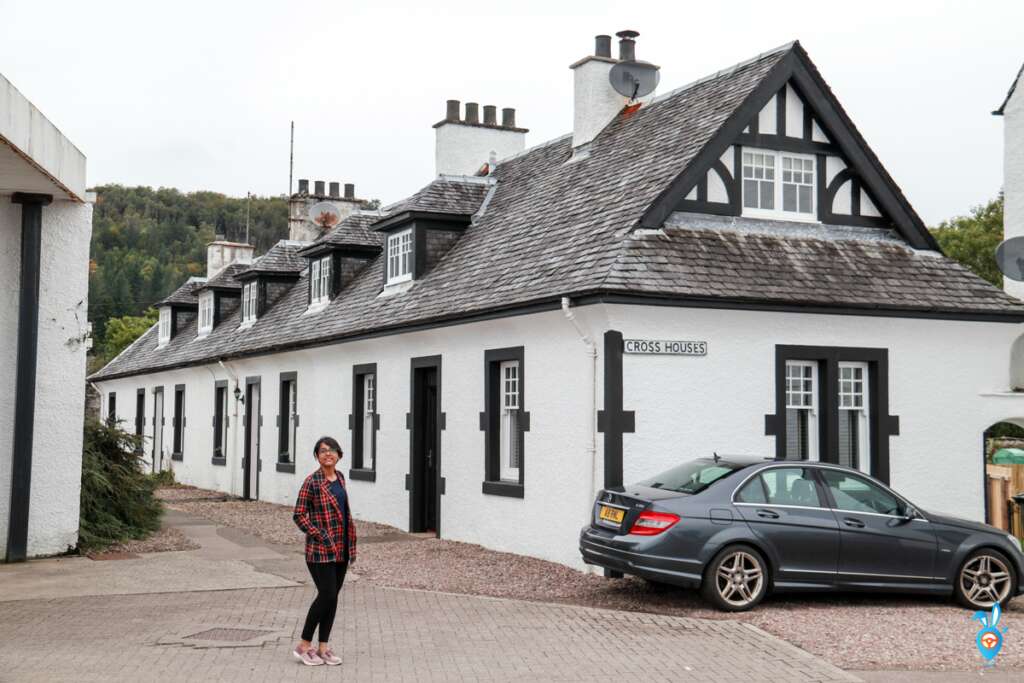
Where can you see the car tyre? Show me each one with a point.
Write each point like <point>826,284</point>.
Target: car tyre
<point>985,577</point>
<point>736,580</point>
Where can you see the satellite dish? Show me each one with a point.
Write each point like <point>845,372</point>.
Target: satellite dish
<point>325,214</point>
<point>634,78</point>
<point>1010,258</point>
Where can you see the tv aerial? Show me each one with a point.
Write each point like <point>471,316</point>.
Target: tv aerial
<point>1010,258</point>
<point>633,78</point>
<point>325,214</point>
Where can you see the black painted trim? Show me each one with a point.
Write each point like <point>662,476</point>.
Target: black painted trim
<point>163,421</point>
<point>140,417</point>
<point>257,381</point>
<point>220,430</point>
<point>356,420</point>
<point>457,221</point>
<point>178,425</point>
<point>780,113</point>
<point>808,121</point>
<point>490,421</point>
<point>286,467</point>
<point>786,144</point>
<point>613,421</point>
<point>283,457</point>
<point>219,461</point>
<point>362,474</point>
<point>881,425</point>
<point>25,376</point>
<point>415,521</point>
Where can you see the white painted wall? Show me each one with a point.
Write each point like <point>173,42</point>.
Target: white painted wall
<point>595,101</point>
<point>1013,176</point>
<point>462,149</point>
<point>60,379</point>
<point>939,373</point>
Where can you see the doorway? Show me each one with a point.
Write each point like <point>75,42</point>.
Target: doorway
<point>251,462</point>
<point>425,484</point>
<point>158,429</point>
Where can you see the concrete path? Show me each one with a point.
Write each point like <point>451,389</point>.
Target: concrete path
<point>232,610</point>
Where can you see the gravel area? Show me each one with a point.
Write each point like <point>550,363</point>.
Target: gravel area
<point>853,631</point>
<point>165,540</point>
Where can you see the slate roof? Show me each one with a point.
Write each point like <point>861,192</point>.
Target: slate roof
<point>282,259</point>
<point>354,231</point>
<point>226,279</point>
<point>185,295</point>
<point>557,226</point>
<point>447,194</point>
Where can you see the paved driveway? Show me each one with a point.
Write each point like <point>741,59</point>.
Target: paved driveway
<point>233,609</point>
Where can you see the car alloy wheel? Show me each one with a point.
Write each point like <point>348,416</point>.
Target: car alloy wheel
<point>739,579</point>
<point>985,580</point>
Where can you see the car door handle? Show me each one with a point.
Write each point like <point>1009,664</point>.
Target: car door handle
<point>855,523</point>
<point>767,514</point>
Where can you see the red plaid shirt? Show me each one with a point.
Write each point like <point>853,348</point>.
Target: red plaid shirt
<point>324,523</point>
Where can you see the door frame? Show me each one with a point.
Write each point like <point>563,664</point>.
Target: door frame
<point>157,391</point>
<point>416,520</point>
<point>247,453</point>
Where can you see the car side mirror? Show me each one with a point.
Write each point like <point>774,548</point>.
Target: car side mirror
<point>910,514</point>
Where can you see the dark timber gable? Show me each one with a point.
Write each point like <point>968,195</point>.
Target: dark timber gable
<point>844,164</point>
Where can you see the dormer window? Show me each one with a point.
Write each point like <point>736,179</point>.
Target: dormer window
<point>205,313</point>
<point>400,256</point>
<point>249,293</point>
<point>320,281</point>
<point>778,185</point>
<point>164,332</point>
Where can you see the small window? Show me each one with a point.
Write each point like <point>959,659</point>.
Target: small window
<point>320,281</point>
<point>164,332</point>
<point>801,410</point>
<point>364,421</point>
<point>504,421</point>
<point>797,185</point>
<point>691,477</point>
<point>249,294</point>
<point>777,185</point>
<point>853,416</point>
<point>112,408</point>
<point>753,492</point>
<point>400,256</point>
<point>759,180</point>
<point>179,422</point>
<point>288,418</point>
<point>790,486</point>
<point>205,313</point>
<point>140,417</point>
<point>509,439</point>
<point>220,420</point>
<point>856,494</point>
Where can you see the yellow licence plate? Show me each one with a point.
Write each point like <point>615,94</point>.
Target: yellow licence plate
<point>610,514</point>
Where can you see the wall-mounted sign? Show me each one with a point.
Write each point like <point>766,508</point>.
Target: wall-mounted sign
<point>669,347</point>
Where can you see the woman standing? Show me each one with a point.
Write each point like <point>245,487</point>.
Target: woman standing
<point>322,512</point>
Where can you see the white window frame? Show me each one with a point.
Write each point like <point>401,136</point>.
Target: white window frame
<point>808,401</point>
<point>369,408</point>
<point>205,313</point>
<point>320,282</point>
<point>164,326</point>
<point>778,212</point>
<point>509,377</point>
<point>849,397</point>
<point>249,299</point>
<point>400,257</point>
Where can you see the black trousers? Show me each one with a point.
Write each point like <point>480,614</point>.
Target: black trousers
<point>328,577</point>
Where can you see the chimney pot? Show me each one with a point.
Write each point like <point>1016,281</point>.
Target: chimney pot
<point>303,186</point>
<point>453,111</point>
<point>472,112</point>
<point>627,45</point>
<point>318,188</point>
<point>350,191</point>
<point>490,115</point>
<point>335,189</point>
<point>603,46</point>
<point>508,117</point>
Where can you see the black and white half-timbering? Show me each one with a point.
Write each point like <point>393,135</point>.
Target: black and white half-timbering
<point>724,267</point>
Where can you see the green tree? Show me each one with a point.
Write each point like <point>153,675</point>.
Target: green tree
<point>972,239</point>
<point>121,332</point>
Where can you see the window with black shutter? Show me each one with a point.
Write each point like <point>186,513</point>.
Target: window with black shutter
<point>177,452</point>
<point>364,422</point>
<point>504,421</point>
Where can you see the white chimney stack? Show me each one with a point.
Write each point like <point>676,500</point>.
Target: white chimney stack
<point>466,145</point>
<point>221,254</point>
<point>595,101</point>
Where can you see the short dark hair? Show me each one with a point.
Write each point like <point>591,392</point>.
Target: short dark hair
<point>330,441</point>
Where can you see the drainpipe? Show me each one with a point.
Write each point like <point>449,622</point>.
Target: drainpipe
<point>591,352</point>
<point>236,395</point>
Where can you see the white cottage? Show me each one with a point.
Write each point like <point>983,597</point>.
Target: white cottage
<point>725,267</point>
<point>45,226</point>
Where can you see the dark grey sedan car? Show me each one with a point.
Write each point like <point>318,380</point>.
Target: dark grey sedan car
<point>738,527</point>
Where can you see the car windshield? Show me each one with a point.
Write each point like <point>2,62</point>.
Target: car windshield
<point>691,477</point>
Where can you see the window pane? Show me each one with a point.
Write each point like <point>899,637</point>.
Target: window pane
<point>797,433</point>
<point>767,195</point>
<point>752,492</point>
<point>805,199</point>
<point>791,486</point>
<point>855,494</point>
<point>750,194</point>
<point>849,438</point>
<point>788,197</point>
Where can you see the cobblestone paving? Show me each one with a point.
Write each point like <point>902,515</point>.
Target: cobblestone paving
<point>383,634</point>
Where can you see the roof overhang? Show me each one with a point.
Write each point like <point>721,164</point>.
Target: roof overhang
<point>35,157</point>
<point>405,217</point>
<point>323,248</point>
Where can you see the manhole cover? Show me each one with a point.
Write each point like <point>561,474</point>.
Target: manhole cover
<point>227,634</point>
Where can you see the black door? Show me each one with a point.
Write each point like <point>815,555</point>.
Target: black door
<point>423,490</point>
<point>785,508</point>
<point>878,544</point>
<point>251,463</point>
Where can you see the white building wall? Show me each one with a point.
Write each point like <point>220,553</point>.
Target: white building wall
<point>939,375</point>
<point>60,378</point>
<point>1013,176</point>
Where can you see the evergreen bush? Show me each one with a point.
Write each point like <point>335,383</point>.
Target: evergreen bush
<point>118,500</point>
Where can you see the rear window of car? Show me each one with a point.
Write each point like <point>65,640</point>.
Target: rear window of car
<point>691,477</point>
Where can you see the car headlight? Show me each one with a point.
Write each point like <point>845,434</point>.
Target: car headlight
<point>1016,542</point>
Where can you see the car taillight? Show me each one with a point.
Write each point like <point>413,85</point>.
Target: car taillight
<point>653,523</point>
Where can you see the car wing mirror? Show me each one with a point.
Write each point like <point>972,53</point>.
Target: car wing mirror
<point>910,514</point>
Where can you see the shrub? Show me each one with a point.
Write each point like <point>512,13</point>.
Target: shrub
<point>117,497</point>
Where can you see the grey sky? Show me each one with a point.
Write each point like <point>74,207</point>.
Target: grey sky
<point>198,95</point>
